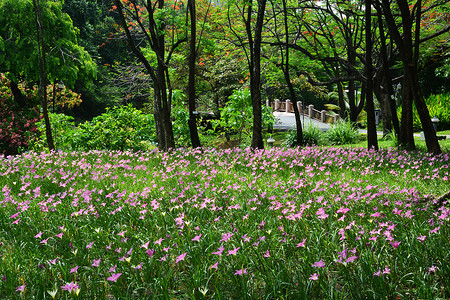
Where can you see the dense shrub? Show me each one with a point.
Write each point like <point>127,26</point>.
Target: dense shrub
<point>64,133</point>
<point>438,105</point>
<point>16,123</point>
<point>311,136</point>
<point>341,133</point>
<point>237,115</point>
<point>120,128</point>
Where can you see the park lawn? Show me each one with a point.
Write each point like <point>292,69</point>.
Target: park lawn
<point>303,223</point>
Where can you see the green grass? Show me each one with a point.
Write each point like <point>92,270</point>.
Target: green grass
<point>303,223</point>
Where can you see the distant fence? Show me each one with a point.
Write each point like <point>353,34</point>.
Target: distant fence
<point>288,106</point>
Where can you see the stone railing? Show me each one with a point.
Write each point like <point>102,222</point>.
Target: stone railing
<point>309,111</point>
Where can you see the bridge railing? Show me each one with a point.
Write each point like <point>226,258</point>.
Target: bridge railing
<point>287,106</point>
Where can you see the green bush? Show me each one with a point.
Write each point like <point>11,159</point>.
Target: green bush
<point>237,115</point>
<point>341,133</point>
<point>438,105</point>
<point>312,135</point>
<point>120,128</point>
<point>63,132</point>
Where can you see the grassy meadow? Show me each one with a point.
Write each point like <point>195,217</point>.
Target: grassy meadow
<point>302,223</point>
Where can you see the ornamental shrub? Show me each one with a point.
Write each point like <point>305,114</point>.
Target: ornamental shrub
<point>120,128</point>
<point>64,133</point>
<point>312,135</point>
<point>17,124</point>
<point>341,133</point>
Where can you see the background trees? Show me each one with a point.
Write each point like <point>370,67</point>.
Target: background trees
<point>140,53</point>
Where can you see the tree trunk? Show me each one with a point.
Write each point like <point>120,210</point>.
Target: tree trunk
<point>43,74</point>
<point>17,93</point>
<point>192,122</point>
<point>372,141</point>
<point>287,77</point>
<point>255,73</point>
<point>411,87</point>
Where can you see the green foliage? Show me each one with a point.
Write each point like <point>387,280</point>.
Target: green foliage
<point>120,128</point>
<point>180,123</point>
<point>312,135</point>
<point>237,115</point>
<point>63,131</point>
<point>66,60</point>
<point>438,105</point>
<point>342,132</point>
<point>17,123</point>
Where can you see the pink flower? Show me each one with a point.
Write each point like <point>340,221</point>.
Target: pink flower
<point>159,241</point>
<point>421,238</point>
<point>386,271</point>
<point>59,235</point>
<point>435,229</point>
<point>96,263</point>
<point>314,277</point>
<point>197,238</point>
<point>150,252</point>
<point>180,258</point>
<point>241,272</point>
<point>377,273</point>
<point>70,287</point>
<point>38,235</point>
<point>226,236</point>
<point>214,266</point>
<point>88,246</point>
<point>395,244</point>
<point>318,264</point>
<point>301,244</point>
<point>20,288</point>
<point>432,269</point>
<point>112,269</point>
<point>219,251</point>
<point>44,241</point>
<point>351,259</point>
<point>234,251</point>
<point>114,277</point>
<point>74,269</point>
<point>145,245</point>
<point>267,254</point>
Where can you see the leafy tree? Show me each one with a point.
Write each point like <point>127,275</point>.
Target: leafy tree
<point>252,15</point>
<point>151,22</point>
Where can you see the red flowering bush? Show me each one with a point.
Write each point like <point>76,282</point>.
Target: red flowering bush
<point>17,124</point>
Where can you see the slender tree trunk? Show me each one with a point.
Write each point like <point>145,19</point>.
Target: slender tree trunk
<point>255,73</point>
<point>372,141</point>
<point>43,73</point>
<point>287,77</point>
<point>192,122</point>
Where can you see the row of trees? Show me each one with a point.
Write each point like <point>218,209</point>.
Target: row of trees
<point>210,48</point>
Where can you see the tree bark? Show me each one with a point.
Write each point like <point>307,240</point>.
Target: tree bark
<point>43,73</point>
<point>255,71</point>
<point>372,142</point>
<point>192,122</point>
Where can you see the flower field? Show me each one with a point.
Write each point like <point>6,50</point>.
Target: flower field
<point>323,223</point>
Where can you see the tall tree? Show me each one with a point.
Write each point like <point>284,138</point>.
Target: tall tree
<point>43,72</point>
<point>192,122</point>
<point>252,47</point>
<point>147,22</point>
<point>372,141</point>
<point>407,39</point>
